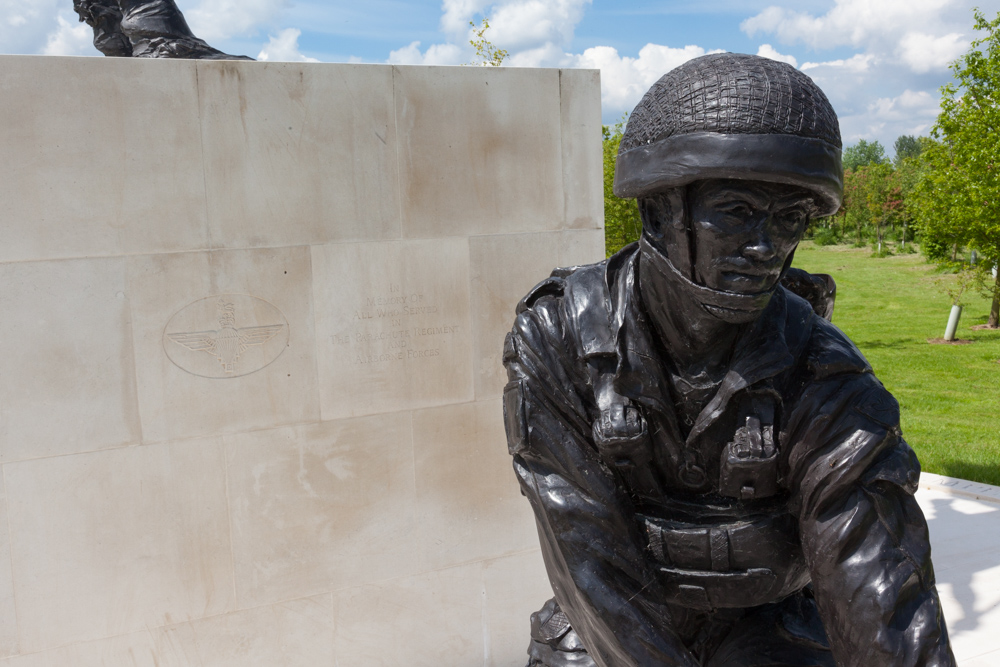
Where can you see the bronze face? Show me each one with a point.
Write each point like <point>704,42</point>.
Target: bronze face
<point>744,231</point>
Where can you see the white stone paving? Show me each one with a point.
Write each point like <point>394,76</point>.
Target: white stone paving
<point>964,522</point>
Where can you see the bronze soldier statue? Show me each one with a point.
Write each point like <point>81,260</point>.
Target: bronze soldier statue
<point>717,477</point>
<point>144,29</point>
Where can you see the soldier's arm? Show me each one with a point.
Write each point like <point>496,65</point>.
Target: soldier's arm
<point>864,537</point>
<point>588,536</point>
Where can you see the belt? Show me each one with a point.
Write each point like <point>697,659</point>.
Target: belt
<point>727,563</point>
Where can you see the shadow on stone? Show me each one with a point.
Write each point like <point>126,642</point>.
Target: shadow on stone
<point>950,525</point>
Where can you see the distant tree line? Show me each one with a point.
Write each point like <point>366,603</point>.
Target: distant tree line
<point>878,205</point>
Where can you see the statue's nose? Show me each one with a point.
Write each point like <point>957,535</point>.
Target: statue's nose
<point>760,247</point>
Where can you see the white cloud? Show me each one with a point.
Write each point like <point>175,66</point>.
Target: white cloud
<point>910,104</point>
<point>436,54</point>
<point>922,35</point>
<point>522,24</point>
<point>70,39</point>
<point>923,52</point>
<point>849,22</point>
<point>547,55</point>
<point>859,62</point>
<point>222,19</point>
<point>534,32</point>
<point>624,80</point>
<point>284,47</point>
<point>27,24</point>
<point>910,112</point>
<point>768,51</point>
<point>457,14</point>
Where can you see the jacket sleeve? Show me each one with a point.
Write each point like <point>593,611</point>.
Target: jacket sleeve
<point>593,554</point>
<point>864,537</point>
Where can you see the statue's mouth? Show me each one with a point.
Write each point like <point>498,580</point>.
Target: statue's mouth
<point>731,306</point>
<point>748,283</point>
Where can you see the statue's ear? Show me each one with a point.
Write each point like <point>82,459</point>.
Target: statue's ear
<point>665,220</point>
<point>663,212</point>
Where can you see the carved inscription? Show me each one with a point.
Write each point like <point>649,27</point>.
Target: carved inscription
<point>225,336</point>
<point>394,327</point>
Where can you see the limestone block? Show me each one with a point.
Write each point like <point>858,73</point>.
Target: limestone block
<point>112,542</point>
<point>102,157</point>
<point>480,150</point>
<point>263,378</point>
<point>516,586</point>
<point>321,507</point>
<point>288,634</point>
<point>428,620</point>
<point>298,153</point>
<point>8,617</point>
<point>65,358</point>
<point>582,154</point>
<point>469,505</point>
<point>504,268</point>
<point>393,325</point>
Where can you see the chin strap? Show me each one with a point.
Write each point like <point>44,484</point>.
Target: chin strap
<point>728,306</point>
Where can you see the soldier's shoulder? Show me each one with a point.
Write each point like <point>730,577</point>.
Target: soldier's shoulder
<point>563,281</point>
<point>566,310</point>
<point>839,380</point>
<point>829,352</point>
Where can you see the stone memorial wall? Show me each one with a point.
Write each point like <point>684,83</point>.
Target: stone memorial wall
<point>251,318</point>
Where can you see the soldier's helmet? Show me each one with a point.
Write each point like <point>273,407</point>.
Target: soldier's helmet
<point>731,115</point>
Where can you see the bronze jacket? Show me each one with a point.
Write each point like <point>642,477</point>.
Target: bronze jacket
<point>648,524</point>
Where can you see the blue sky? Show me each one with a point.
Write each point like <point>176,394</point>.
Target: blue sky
<point>881,62</point>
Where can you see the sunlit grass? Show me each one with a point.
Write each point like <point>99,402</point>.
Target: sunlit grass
<point>949,394</point>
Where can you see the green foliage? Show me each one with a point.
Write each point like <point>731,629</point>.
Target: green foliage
<point>948,394</point>
<point>862,154</point>
<point>956,286</point>
<point>824,236</point>
<point>487,53</point>
<point>906,146</point>
<point>622,224</point>
<point>937,199</point>
<point>873,200</point>
<point>959,189</point>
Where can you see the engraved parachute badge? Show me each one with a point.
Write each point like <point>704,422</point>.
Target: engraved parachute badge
<point>248,335</point>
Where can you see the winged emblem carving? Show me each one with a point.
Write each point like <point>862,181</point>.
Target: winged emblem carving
<point>228,342</point>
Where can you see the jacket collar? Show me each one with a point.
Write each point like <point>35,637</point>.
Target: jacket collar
<point>764,348</point>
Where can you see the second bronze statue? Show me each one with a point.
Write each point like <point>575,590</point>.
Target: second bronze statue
<point>144,29</point>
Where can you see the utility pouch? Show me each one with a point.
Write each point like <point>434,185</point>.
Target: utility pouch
<point>622,439</point>
<point>749,466</point>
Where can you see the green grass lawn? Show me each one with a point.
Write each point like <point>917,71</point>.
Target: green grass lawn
<point>949,394</point>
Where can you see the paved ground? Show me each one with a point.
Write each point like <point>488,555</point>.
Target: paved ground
<point>964,520</point>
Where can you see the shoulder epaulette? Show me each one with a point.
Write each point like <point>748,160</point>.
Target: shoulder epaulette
<point>552,286</point>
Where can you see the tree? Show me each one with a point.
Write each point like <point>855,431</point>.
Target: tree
<point>936,201</point>
<point>906,146</point>
<point>873,198</point>
<point>962,182</point>
<point>486,52</point>
<point>863,154</point>
<point>622,224</point>
<point>855,207</point>
<point>883,197</point>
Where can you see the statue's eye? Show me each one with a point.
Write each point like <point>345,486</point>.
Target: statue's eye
<point>792,217</point>
<point>737,209</point>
